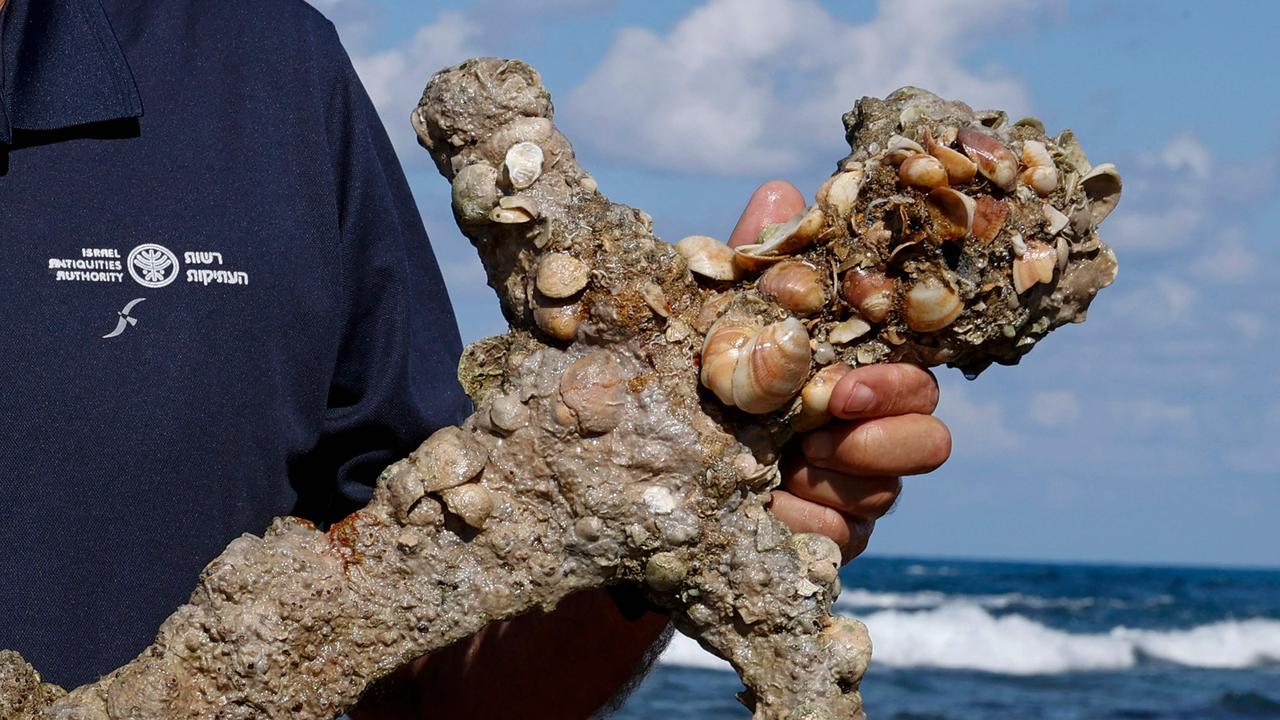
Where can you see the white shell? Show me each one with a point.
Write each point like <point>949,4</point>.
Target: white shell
<point>848,331</point>
<point>1102,186</point>
<point>561,275</point>
<point>708,257</point>
<point>523,164</point>
<point>931,305</point>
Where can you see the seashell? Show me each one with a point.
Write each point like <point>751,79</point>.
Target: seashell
<point>1031,122</point>
<point>819,556</point>
<point>561,275</point>
<point>1019,245</point>
<point>1064,254</point>
<point>508,414</point>
<point>1036,265</point>
<point>1102,187</point>
<point>594,389</point>
<point>1041,174</point>
<point>475,192</point>
<point>450,457</point>
<point>522,129</point>
<point>960,169</point>
<point>848,641</point>
<point>1055,219</point>
<point>588,183</point>
<point>725,343</point>
<point>665,571</point>
<point>848,330</point>
<point>711,311</point>
<point>709,257</point>
<point>957,208</point>
<point>404,483</point>
<point>931,305</point>
<point>823,353</point>
<point>995,161</point>
<point>840,191</point>
<point>772,368</point>
<point>989,217</point>
<point>558,318</point>
<point>513,210</point>
<point>796,286</point>
<point>923,172</point>
<point>900,148</point>
<point>778,241</point>
<point>523,164</point>
<point>870,292</point>
<point>473,503</point>
<point>655,298</point>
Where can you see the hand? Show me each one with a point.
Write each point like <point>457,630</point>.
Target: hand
<point>846,475</point>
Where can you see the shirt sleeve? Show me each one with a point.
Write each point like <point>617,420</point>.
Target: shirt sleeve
<point>394,381</point>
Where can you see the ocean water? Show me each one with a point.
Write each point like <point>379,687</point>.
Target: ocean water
<point>962,640</point>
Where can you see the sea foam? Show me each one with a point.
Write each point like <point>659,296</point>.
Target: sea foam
<point>963,635</point>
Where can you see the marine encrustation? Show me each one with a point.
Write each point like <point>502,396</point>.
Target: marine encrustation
<point>627,427</point>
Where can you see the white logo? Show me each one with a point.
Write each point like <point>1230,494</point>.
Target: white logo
<point>152,265</point>
<point>125,320</point>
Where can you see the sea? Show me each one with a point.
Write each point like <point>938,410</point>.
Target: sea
<point>966,639</point>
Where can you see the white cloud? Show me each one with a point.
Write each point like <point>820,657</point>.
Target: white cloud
<point>1163,302</point>
<point>1055,408</point>
<point>1186,152</point>
<point>978,427</point>
<point>1228,259</point>
<point>750,86</point>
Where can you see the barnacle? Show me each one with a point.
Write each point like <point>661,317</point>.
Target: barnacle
<point>627,428</point>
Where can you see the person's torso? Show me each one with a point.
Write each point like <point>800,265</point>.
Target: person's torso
<point>169,320</point>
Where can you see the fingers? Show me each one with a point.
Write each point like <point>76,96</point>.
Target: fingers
<point>884,390</point>
<point>772,202</point>
<point>850,533</point>
<point>884,447</point>
<point>865,497</point>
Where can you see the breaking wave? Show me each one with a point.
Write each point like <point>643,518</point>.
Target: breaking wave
<point>965,636</point>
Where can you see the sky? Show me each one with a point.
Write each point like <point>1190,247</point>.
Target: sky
<point>1150,434</point>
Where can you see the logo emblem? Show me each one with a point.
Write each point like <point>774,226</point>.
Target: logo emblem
<point>125,319</point>
<point>152,265</point>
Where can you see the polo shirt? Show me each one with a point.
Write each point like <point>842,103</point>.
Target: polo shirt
<point>218,301</point>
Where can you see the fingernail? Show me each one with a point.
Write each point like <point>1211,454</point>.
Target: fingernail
<point>817,445</point>
<point>859,399</point>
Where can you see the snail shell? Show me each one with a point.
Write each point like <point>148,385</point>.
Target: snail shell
<point>757,370</point>
<point>796,286</point>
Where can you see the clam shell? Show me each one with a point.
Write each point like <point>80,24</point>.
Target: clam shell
<point>594,390</point>
<point>778,241</point>
<point>513,210</point>
<point>475,192</point>
<point>523,164</point>
<point>450,457</point>
<point>561,275</point>
<point>1035,265</point>
<point>923,172</point>
<point>931,305</point>
<point>772,367</point>
<point>848,330</point>
<point>709,257</point>
<point>1102,187</point>
<point>473,503</point>
<point>900,148</point>
<point>989,217</point>
<point>840,191</point>
<point>996,162</point>
<point>1055,219</point>
<point>795,285</point>
<point>957,208</point>
<point>960,169</point>
<point>558,318</point>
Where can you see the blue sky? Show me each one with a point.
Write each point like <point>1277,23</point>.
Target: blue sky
<point>1149,434</point>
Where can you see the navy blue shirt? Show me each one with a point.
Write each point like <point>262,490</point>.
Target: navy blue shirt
<point>215,311</point>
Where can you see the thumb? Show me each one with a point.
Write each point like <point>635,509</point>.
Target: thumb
<point>773,202</point>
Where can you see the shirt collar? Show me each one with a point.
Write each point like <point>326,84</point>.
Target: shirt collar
<point>61,66</point>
